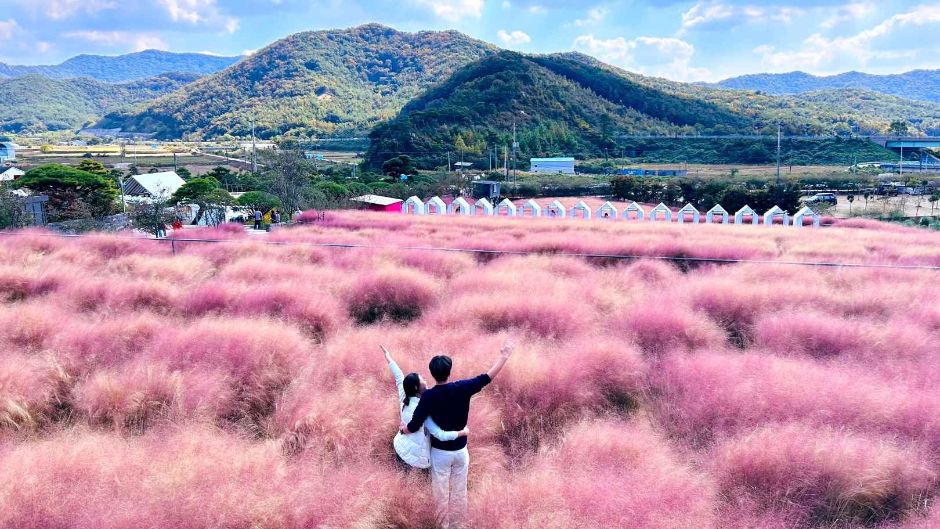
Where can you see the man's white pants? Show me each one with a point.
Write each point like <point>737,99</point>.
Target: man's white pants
<point>449,485</point>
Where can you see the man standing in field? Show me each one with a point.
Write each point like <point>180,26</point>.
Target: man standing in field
<point>448,403</point>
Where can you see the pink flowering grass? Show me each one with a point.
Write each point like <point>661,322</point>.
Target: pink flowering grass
<point>240,383</point>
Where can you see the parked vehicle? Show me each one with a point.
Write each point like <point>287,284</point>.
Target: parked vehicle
<point>825,198</point>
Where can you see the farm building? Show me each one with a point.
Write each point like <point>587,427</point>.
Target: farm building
<point>7,152</point>
<point>153,185</point>
<point>379,203</point>
<point>552,165</point>
<point>486,189</point>
<point>11,174</point>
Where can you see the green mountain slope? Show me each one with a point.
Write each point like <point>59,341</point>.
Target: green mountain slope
<point>38,103</point>
<point>124,68</point>
<point>917,84</point>
<point>311,83</point>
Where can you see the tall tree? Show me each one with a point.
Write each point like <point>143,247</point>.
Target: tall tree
<point>207,194</point>
<point>73,194</point>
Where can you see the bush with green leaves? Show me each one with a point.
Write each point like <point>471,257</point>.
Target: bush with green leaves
<point>73,193</point>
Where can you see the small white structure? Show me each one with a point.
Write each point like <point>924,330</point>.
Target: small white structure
<point>580,211</point>
<point>688,209</point>
<point>7,152</point>
<point>661,208</point>
<point>773,214</point>
<point>11,174</point>
<point>505,208</point>
<point>435,206</point>
<point>482,207</point>
<point>459,207</point>
<point>555,209</point>
<point>634,209</point>
<point>153,185</point>
<point>802,214</point>
<point>716,211</point>
<point>607,212</point>
<point>530,208</point>
<point>746,210</point>
<point>552,165</point>
<point>412,206</point>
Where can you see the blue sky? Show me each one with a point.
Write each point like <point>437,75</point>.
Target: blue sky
<point>683,40</point>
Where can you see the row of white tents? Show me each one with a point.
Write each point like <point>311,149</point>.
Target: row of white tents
<point>607,211</point>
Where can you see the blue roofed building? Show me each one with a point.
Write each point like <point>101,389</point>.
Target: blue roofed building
<point>7,152</point>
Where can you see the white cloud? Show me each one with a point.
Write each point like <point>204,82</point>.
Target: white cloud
<point>537,10</point>
<point>62,9</point>
<point>121,39</point>
<point>848,13</point>
<point>200,12</point>
<point>513,38</point>
<point>819,53</point>
<point>453,9</point>
<point>8,28</point>
<point>709,12</point>
<point>594,16</point>
<point>658,56</point>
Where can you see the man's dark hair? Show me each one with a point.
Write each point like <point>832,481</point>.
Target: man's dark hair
<point>440,368</point>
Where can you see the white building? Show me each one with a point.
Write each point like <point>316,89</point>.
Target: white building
<point>7,152</point>
<point>552,165</point>
<point>11,174</point>
<point>153,185</point>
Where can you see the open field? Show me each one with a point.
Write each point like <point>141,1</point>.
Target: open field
<point>240,384</point>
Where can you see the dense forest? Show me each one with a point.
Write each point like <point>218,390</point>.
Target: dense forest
<point>917,84</point>
<point>570,104</point>
<point>124,68</point>
<point>37,103</point>
<point>311,83</point>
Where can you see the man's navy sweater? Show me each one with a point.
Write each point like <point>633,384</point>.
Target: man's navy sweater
<point>449,406</point>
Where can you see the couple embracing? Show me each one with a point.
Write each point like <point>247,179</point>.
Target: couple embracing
<point>434,429</point>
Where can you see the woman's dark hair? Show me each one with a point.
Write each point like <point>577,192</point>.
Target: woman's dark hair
<point>411,384</point>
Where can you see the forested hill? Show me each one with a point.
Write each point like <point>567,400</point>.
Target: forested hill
<point>37,103</point>
<point>917,84</point>
<point>124,68</point>
<point>570,104</point>
<point>322,82</point>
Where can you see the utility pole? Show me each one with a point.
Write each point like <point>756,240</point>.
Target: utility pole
<point>515,147</point>
<point>779,130</point>
<point>506,162</point>
<point>254,149</point>
<point>448,161</point>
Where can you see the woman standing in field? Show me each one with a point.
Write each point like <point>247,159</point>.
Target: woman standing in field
<point>415,448</point>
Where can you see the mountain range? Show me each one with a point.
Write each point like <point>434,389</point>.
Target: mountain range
<point>917,84</point>
<point>124,68</point>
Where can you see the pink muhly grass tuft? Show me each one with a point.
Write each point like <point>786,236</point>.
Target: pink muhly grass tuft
<point>660,325</point>
<point>316,313</point>
<point>17,284</point>
<point>396,294</point>
<point>28,326</point>
<point>30,388</point>
<point>826,476</point>
<point>544,317</point>
<point>84,346</point>
<point>808,332</point>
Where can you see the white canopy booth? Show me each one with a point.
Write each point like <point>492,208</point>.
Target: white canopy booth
<point>607,212</point>
<point>505,208</point>
<point>746,210</point>
<point>802,214</point>
<point>459,207</point>
<point>661,209</point>
<point>716,211</point>
<point>412,206</point>
<point>555,209</point>
<point>482,207</point>
<point>688,209</point>
<point>435,206</point>
<point>580,211</point>
<point>634,212</point>
<point>775,213</point>
<point>529,209</point>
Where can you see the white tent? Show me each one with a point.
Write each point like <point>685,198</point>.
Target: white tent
<point>774,213</point>
<point>661,208</point>
<point>746,210</point>
<point>636,209</point>
<point>716,211</point>
<point>153,185</point>
<point>459,207</point>
<point>506,207</point>
<point>803,213</point>
<point>11,174</point>
<point>607,211</point>
<point>583,208</point>
<point>555,209</point>
<point>688,209</point>
<point>482,207</point>
<point>435,206</point>
<point>530,208</point>
<point>412,206</point>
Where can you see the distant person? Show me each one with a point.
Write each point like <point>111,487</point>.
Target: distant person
<point>276,217</point>
<point>297,215</point>
<point>258,216</point>
<point>415,448</point>
<point>448,404</point>
<point>177,224</point>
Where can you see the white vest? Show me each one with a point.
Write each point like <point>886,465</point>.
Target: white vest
<point>413,448</point>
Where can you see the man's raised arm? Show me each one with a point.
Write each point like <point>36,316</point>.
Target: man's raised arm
<point>504,355</point>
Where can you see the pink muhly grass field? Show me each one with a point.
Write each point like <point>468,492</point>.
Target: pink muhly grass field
<point>240,383</point>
